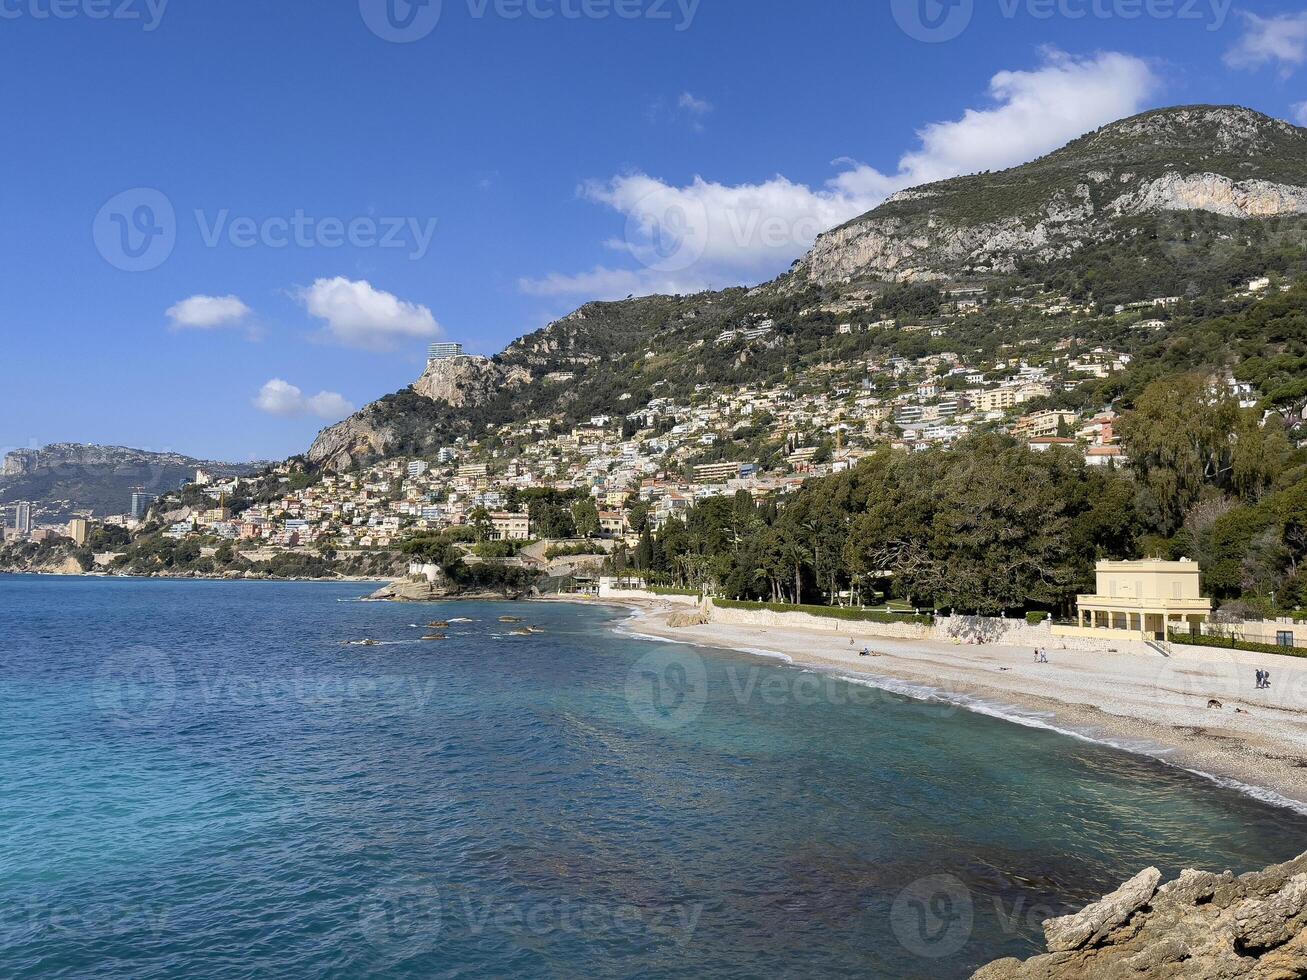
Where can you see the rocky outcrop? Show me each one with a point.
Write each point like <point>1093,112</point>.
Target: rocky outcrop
<point>424,590</point>
<point>1212,192</point>
<point>893,250</point>
<point>1201,925</point>
<point>459,382</point>
<point>59,561</point>
<point>354,440</point>
<point>463,381</point>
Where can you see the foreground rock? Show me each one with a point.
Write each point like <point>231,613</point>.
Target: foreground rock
<point>685,620</point>
<point>1200,925</point>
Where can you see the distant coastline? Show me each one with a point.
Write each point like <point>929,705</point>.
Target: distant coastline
<point>35,573</point>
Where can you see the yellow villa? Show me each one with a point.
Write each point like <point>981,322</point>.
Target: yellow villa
<point>1146,598</point>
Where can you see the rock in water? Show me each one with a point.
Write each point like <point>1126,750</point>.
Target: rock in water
<point>411,590</point>
<point>1201,925</point>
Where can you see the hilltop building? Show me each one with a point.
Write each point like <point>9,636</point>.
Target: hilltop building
<point>141,504</point>
<point>444,352</point>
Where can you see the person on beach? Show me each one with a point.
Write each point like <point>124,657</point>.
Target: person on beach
<point>1036,654</point>
<point>1266,680</point>
<point>866,652</point>
<point>1043,656</point>
<point>1259,680</point>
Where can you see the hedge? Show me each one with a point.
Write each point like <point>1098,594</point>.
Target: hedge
<point>1035,618</point>
<point>666,590</point>
<point>1230,643</point>
<point>831,612</point>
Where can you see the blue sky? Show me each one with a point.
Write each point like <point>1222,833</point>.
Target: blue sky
<point>515,159</point>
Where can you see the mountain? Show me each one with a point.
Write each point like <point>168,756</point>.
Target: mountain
<point>1189,202</point>
<point>1225,161</point>
<point>64,478</point>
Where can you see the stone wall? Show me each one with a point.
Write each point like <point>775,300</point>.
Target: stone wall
<point>608,592</point>
<point>979,630</point>
<point>806,621</point>
<point>992,629</point>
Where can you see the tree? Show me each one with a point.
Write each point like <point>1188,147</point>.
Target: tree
<point>1179,437</point>
<point>644,551</point>
<point>482,525</point>
<point>551,520</point>
<point>585,517</point>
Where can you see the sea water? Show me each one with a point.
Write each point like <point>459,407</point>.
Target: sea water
<point>197,779</point>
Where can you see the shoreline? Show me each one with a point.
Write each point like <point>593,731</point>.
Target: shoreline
<point>1254,744</point>
<point>343,580</point>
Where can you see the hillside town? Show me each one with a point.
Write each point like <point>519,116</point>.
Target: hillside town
<point>666,456</point>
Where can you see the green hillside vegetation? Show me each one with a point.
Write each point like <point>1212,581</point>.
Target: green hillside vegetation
<point>989,526</point>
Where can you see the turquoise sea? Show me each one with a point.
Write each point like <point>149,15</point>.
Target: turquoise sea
<point>197,780</point>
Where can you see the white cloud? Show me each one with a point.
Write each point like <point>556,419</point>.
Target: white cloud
<point>1037,111</point>
<point>706,231</point>
<point>687,109</point>
<point>359,315</point>
<point>1299,110</point>
<point>693,104</point>
<point>1267,40</point>
<point>694,110</point>
<point>207,312</point>
<point>279,397</point>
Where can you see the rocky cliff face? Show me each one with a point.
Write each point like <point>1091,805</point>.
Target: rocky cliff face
<point>1224,160</point>
<point>1214,193</point>
<point>342,445</point>
<point>375,430</point>
<point>463,381</point>
<point>1202,925</point>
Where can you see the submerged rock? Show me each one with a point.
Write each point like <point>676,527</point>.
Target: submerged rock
<point>1201,925</point>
